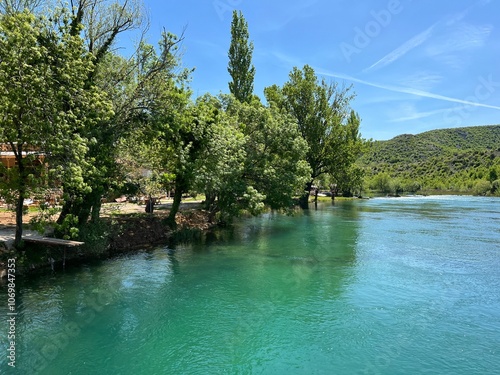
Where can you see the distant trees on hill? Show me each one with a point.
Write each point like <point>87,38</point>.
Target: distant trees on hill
<point>461,160</point>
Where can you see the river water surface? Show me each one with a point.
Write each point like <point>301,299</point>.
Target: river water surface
<point>381,286</point>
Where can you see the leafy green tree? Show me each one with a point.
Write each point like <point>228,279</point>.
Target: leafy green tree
<point>220,167</point>
<point>346,174</point>
<point>325,122</point>
<point>240,60</point>
<point>275,162</point>
<point>254,158</point>
<point>141,164</point>
<point>17,6</point>
<point>44,101</point>
<point>168,132</point>
<point>493,175</point>
<point>99,22</point>
<point>482,187</point>
<point>167,125</point>
<point>130,83</point>
<point>495,187</point>
<point>381,182</point>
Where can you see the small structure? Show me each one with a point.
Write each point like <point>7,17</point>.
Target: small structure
<point>54,242</point>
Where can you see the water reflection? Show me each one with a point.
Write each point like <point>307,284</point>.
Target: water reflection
<point>324,289</point>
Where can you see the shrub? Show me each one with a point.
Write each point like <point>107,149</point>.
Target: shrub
<point>495,188</point>
<point>482,187</point>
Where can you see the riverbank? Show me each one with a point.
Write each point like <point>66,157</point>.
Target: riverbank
<point>122,228</point>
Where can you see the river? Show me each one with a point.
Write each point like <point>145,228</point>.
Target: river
<point>381,286</point>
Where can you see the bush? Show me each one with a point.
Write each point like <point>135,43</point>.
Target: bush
<point>96,235</point>
<point>381,182</point>
<point>482,187</point>
<point>495,188</point>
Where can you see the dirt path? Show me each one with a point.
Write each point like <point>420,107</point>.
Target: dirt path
<point>8,218</point>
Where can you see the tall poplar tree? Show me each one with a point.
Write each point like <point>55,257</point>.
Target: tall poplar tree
<point>240,60</point>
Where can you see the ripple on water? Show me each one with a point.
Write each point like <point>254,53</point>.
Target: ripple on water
<point>379,286</point>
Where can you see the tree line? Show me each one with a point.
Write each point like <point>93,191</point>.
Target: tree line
<point>103,122</point>
<point>464,160</point>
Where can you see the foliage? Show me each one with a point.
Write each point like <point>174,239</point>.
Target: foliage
<point>445,159</point>
<point>275,162</point>
<point>255,158</point>
<point>221,164</point>
<point>98,123</point>
<point>325,122</point>
<point>44,101</point>
<point>17,6</point>
<point>482,187</point>
<point>137,88</point>
<point>96,236</point>
<point>240,60</point>
<point>68,229</point>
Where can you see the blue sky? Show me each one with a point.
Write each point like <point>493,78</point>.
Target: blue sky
<point>414,65</point>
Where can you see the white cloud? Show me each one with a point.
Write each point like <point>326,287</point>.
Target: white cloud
<point>288,61</point>
<point>402,50</point>
<point>446,38</point>
<point>406,90</point>
<point>462,37</point>
<point>283,16</point>
<point>455,46</point>
<point>416,115</point>
<point>422,80</point>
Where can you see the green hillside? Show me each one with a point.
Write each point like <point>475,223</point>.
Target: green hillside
<point>460,159</point>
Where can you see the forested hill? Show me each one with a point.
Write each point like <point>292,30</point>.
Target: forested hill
<point>446,159</point>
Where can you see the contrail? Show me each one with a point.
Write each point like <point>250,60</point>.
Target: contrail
<point>405,90</point>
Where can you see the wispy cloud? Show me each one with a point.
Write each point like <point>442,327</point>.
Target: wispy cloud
<point>405,90</point>
<point>283,16</point>
<point>460,38</point>
<point>450,20</point>
<point>451,48</point>
<point>418,115</point>
<point>422,80</point>
<point>288,61</point>
<point>402,50</point>
<point>454,38</point>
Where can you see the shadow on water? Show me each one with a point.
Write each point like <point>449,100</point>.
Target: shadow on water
<point>238,288</point>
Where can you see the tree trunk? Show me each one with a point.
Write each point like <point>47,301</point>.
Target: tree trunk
<point>65,211</point>
<point>89,207</point>
<point>209,201</point>
<point>84,209</point>
<point>304,199</point>
<point>175,206</point>
<point>19,213</point>
<point>20,199</point>
<point>96,209</point>
<point>333,191</point>
<point>150,205</point>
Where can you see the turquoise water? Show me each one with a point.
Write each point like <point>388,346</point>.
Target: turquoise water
<point>382,286</point>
